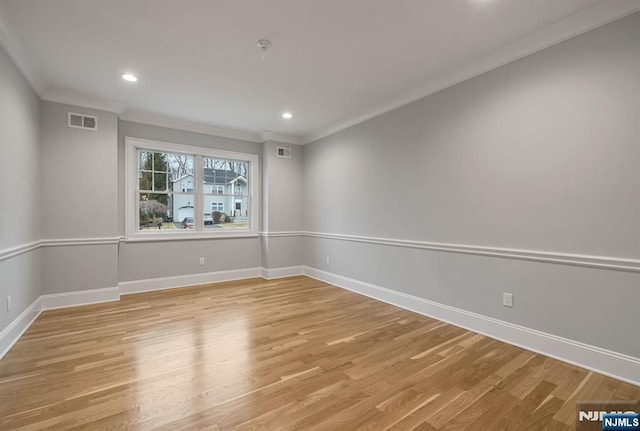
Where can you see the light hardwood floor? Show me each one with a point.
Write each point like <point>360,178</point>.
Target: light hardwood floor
<point>290,354</point>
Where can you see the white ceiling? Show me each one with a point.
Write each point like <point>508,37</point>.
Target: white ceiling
<point>333,63</point>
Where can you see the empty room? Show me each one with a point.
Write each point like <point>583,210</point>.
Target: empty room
<point>320,215</point>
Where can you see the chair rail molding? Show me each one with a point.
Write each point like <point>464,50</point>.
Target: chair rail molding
<point>17,250</point>
<point>560,258</point>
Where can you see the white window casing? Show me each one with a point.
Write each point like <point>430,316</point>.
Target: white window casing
<point>132,231</point>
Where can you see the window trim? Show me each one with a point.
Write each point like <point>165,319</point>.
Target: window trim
<point>131,186</point>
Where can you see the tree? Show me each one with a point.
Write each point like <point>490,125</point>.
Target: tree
<point>152,210</point>
<point>180,165</point>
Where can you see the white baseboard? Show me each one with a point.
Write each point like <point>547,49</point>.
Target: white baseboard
<point>151,284</point>
<point>83,297</point>
<point>289,271</point>
<point>617,365</point>
<point>14,331</point>
<point>613,364</point>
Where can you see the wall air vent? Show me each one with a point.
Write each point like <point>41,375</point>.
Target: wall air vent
<point>81,121</point>
<point>284,152</point>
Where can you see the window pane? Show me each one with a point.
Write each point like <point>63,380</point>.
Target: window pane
<point>160,182</point>
<point>240,208</point>
<point>159,163</point>
<point>182,206</point>
<point>226,212</point>
<point>165,171</point>
<point>153,210</point>
<point>240,188</point>
<point>220,175</point>
<point>160,211</point>
<point>167,193</point>
<point>143,156</point>
<point>225,188</point>
<point>180,165</point>
<point>145,181</point>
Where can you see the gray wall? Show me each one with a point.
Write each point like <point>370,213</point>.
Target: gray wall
<point>281,206</point>
<point>143,260</point>
<point>542,154</point>
<point>19,190</point>
<point>79,175</point>
<point>79,198</point>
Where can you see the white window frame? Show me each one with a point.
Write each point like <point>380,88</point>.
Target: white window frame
<point>132,213</point>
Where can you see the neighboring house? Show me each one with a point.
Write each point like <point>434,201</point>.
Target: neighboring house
<point>225,190</point>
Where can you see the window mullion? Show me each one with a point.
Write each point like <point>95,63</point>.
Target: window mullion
<point>136,197</point>
<point>198,204</point>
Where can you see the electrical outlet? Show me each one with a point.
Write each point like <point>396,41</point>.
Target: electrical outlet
<point>8,303</point>
<point>201,261</point>
<point>507,299</point>
<point>327,260</point>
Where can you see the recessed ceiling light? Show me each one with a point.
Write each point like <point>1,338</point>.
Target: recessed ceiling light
<point>129,77</point>
<point>287,115</point>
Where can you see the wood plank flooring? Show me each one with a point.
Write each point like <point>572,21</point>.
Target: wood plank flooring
<point>289,354</point>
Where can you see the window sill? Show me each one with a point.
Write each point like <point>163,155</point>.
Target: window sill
<point>154,237</point>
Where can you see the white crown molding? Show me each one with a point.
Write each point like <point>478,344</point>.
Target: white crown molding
<point>17,54</point>
<point>280,137</point>
<point>594,16</point>
<point>136,116</point>
<point>68,97</point>
<point>613,364</point>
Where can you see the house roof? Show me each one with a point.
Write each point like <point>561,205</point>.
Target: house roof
<point>217,176</point>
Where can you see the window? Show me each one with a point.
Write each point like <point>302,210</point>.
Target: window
<point>220,176</point>
<point>163,193</point>
<point>186,192</point>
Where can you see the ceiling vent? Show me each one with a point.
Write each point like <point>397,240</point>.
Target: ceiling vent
<point>284,152</point>
<point>81,121</point>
